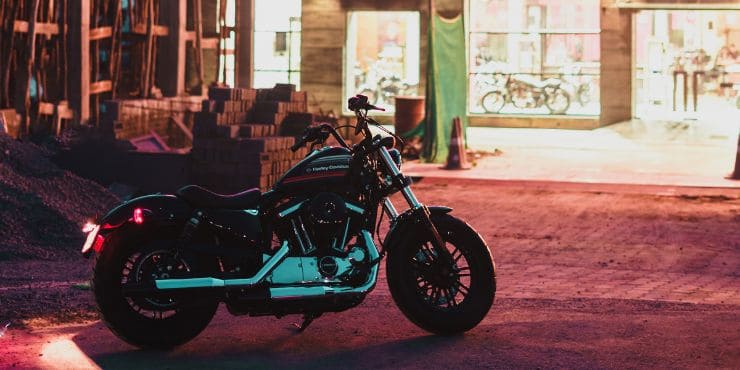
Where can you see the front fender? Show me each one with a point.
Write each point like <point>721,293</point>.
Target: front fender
<point>405,226</point>
<point>156,208</point>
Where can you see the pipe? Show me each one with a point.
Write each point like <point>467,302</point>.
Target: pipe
<point>279,256</point>
<point>285,292</point>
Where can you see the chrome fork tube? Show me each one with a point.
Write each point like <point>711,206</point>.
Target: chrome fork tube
<point>395,172</point>
<point>390,209</point>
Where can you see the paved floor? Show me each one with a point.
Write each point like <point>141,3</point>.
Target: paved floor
<point>686,153</point>
<point>589,276</point>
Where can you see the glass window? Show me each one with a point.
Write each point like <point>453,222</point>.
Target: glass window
<point>534,56</point>
<point>277,42</point>
<point>382,56</point>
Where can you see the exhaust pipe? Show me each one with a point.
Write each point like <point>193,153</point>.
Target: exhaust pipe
<point>279,256</point>
<point>283,292</point>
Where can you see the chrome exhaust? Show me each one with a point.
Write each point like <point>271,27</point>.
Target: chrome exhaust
<point>208,282</point>
<point>283,292</point>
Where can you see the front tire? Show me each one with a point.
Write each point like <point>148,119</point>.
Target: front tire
<point>146,322</point>
<point>443,297</point>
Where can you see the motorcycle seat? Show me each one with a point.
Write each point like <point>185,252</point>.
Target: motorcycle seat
<point>201,197</point>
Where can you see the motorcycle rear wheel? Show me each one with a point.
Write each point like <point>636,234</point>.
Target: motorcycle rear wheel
<point>442,296</point>
<point>493,101</point>
<point>160,323</point>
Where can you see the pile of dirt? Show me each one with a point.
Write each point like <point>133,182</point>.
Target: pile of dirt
<point>43,207</point>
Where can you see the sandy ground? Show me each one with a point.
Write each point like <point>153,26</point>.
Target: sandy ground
<point>590,276</point>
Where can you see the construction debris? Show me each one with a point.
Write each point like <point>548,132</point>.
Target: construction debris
<point>42,207</point>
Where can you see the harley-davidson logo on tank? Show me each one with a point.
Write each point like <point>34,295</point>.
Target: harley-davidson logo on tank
<point>330,163</point>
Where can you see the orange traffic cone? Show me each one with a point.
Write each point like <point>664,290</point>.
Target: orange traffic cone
<point>456,159</point>
<point>736,174</point>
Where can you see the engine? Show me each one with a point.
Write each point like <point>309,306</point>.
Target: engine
<point>322,230</point>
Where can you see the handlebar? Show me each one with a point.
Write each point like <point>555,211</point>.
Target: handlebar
<point>318,133</point>
<point>358,104</point>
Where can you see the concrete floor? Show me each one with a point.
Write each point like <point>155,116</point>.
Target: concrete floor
<point>682,153</point>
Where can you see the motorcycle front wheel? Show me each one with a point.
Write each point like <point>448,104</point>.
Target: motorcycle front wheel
<point>443,294</point>
<point>134,257</point>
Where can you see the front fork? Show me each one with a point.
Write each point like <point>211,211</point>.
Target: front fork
<point>419,212</point>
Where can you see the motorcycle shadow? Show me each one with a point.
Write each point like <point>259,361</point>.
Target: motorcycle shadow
<point>333,341</point>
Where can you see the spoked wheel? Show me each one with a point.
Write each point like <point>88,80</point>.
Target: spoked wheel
<point>444,293</point>
<point>148,321</point>
<point>493,101</point>
<point>557,101</point>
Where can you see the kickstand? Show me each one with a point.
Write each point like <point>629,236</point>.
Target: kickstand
<point>307,320</point>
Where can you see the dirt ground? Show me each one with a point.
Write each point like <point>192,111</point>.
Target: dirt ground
<point>589,276</point>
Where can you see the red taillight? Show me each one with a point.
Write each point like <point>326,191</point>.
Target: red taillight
<point>98,245</point>
<point>138,216</point>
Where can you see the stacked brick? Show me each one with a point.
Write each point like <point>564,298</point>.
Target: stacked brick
<point>235,137</point>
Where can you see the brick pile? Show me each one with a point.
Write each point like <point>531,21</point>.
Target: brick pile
<point>236,142</point>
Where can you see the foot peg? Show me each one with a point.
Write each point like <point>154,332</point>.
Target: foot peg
<point>307,320</point>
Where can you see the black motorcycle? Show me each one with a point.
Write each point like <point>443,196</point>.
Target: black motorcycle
<point>526,93</point>
<point>163,263</point>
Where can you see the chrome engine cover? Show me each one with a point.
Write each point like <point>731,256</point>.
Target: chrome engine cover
<point>306,270</point>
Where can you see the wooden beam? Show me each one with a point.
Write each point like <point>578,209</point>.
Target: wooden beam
<point>46,109</point>
<point>157,30</point>
<point>79,59</point>
<point>171,59</point>
<point>41,28</point>
<point>209,43</point>
<point>244,31</point>
<point>31,63</point>
<point>99,87</point>
<point>177,119</point>
<point>101,33</point>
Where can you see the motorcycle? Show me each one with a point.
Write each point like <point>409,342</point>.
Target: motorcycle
<point>525,92</point>
<point>164,263</point>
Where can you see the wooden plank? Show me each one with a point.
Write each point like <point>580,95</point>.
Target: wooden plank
<point>171,53</point>
<point>209,43</point>
<point>42,28</point>
<point>177,119</point>
<point>157,30</point>
<point>98,87</point>
<point>79,59</point>
<point>46,109</point>
<point>101,33</point>
<point>64,112</point>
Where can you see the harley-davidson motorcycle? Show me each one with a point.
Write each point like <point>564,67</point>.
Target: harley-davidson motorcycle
<point>163,263</point>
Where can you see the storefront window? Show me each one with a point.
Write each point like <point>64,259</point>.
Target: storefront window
<point>534,57</point>
<point>382,56</point>
<point>277,42</point>
<point>687,64</point>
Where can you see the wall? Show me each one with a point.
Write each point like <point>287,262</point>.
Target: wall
<point>616,64</point>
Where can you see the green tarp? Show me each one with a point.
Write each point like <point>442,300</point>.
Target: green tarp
<point>446,85</point>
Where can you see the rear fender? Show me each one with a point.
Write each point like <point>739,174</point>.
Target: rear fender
<point>407,226</point>
<point>156,209</point>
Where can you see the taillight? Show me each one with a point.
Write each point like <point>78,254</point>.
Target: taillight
<point>98,244</point>
<point>138,216</point>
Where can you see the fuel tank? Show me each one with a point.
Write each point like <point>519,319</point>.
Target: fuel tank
<point>323,167</point>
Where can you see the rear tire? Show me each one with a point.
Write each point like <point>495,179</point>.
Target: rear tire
<point>461,302</point>
<point>135,320</point>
